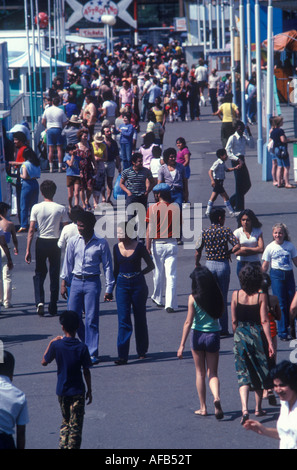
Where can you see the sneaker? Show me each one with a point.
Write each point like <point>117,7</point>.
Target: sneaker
<point>170,310</point>
<point>40,309</point>
<point>95,360</point>
<point>8,305</point>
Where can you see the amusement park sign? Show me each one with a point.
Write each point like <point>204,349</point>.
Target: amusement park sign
<point>95,9</point>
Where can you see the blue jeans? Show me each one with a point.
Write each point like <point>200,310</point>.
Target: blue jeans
<point>29,197</point>
<point>283,286</point>
<point>126,154</point>
<point>85,296</point>
<point>182,109</point>
<point>177,197</point>
<point>133,293</point>
<point>221,272</point>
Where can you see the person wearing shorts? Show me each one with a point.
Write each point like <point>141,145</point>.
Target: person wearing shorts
<point>217,176</point>
<point>72,174</point>
<point>205,307</point>
<point>54,119</point>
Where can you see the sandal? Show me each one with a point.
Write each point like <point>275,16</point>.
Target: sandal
<point>244,418</point>
<point>218,409</point>
<point>289,186</point>
<point>260,413</point>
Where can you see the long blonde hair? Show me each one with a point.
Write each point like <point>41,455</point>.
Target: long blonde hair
<point>284,229</point>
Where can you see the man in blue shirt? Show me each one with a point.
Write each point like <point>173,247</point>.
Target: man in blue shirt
<point>126,140</point>
<point>84,254</point>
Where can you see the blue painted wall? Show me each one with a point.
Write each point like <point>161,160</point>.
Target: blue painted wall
<point>277,21</point>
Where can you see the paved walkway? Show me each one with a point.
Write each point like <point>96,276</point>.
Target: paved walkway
<point>146,404</point>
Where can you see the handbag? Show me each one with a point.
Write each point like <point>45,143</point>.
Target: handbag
<point>117,190</point>
<point>283,152</point>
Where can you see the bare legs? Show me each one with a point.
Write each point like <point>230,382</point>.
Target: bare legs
<point>207,364</point>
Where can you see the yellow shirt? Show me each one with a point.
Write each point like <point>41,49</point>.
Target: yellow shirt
<point>159,114</point>
<point>228,111</point>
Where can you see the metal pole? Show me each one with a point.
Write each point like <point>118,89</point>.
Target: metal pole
<point>248,19</point>
<point>204,29</point>
<point>242,60</point>
<point>39,51</point>
<point>266,168</point>
<point>29,64</point>
<point>258,78</point>
<point>232,35</point>
<point>218,25</point>
<point>50,39</point>
<point>198,22</point>
<point>210,24</point>
<point>34,60</point>
<point>223,24</point>
<point>55,35</point>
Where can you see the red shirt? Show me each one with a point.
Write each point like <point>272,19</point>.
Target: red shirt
<point>20,153</point>
<point>164,220</point>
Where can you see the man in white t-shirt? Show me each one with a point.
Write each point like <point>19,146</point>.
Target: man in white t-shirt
<point>47,215</point>
<point>109,108</point>
<point>54,119</point>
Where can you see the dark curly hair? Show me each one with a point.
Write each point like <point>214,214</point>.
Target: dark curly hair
<point>251,215</point>
<point>251,278</point>
<point>206,292</point>
<point>286,372</point>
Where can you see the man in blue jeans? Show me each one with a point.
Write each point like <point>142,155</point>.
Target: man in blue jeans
<point>126,140</point>
<point>84,254</point>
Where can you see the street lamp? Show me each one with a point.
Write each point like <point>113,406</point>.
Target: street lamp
<point>109,21</point>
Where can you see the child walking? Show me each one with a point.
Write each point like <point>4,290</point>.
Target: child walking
<point>71,355</point>
<point>217,176</point>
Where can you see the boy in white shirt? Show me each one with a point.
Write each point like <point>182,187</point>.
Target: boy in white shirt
<point>217,176</point>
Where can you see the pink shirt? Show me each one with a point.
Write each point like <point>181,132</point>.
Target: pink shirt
<point>126,96</point>
<point>146,155</point>
<point>180,156</point>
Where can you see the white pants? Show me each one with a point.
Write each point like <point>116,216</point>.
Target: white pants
<point>165,259</point>
<point>6,282</point>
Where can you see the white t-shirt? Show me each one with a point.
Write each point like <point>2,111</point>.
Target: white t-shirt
<point>55,117</point>
<point>155,165</point>
<point>250,242</point>
<point>287,426</point>
<point>70,230</point>
<point>280,256</point>
<point>111,108</point>
<point>219,168</point>
<point>49,215</point>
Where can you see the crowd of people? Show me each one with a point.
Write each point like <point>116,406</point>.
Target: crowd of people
<point>92,124</point>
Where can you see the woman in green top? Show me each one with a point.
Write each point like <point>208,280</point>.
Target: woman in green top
<point>205,307</point>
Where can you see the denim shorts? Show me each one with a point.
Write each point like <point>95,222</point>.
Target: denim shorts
<point>208,342</point>
<point>54,136</point>
<point>283,162</point>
